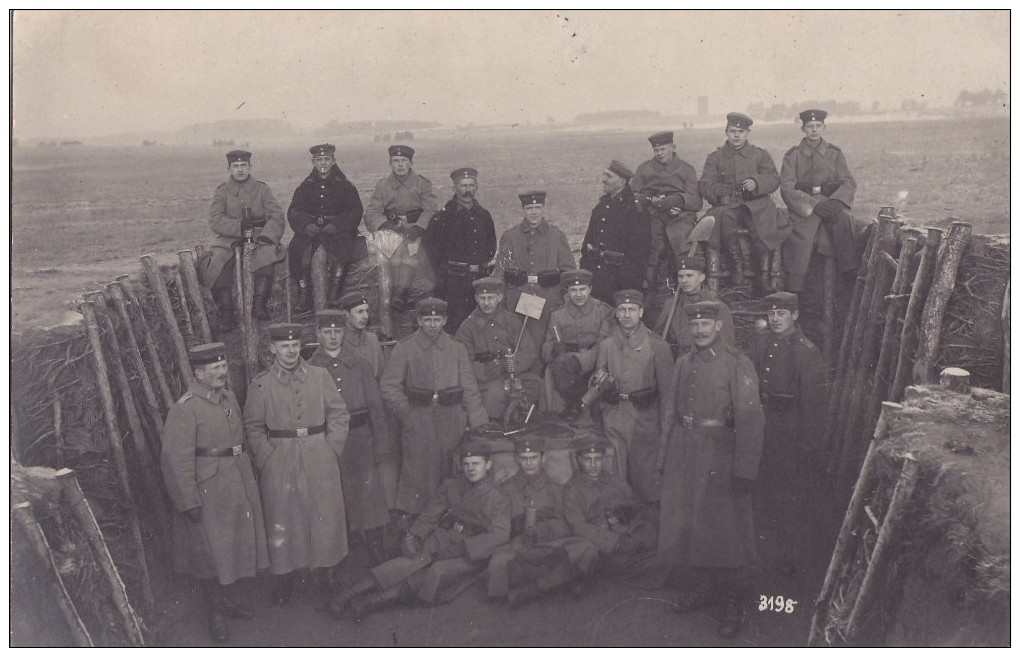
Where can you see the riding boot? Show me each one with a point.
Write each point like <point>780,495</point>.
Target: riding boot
<point>224,299</point>
<point>375,541</point>
<point>762,279</point>
<point>263,289</point>
<point>336,286</point>
<point>304,296</point>
<point>343,595</point>
<point>365,604</point>
<point>213,592</point>
<point>736,256</point>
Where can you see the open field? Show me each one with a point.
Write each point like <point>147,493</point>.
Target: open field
<point>85,214</point>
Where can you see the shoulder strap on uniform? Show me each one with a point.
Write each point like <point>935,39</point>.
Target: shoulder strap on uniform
<point>185,397</point>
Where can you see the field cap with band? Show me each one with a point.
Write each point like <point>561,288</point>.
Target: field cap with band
<point>588,445</point>
<point>702,310</point>
<point>464,173</point>
<point>813,115</point>
<point>781,301</point>
<point>431,306</point>
<point>691,263</point>
<point>238,156</point>
<point>322,149</point>
<point>529,444</point>
<point>577,278</point>
<point>628,296</point>
<point>331,319</point>
<point>532,197</point>
<point>401,150</point>
<point>207,354</point>
<point>284,331</point>
<point>660,138</point>
<point>620,169</point>
<point>492,285</point>
<point>352,300</point>
<point>475,448</point>
<point>740,120</point>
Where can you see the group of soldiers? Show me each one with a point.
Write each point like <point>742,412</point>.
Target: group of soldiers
<point>695,445</point>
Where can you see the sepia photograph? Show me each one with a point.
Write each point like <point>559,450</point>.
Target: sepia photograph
<point>562,327</point>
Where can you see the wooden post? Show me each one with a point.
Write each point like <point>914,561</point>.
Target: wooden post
<point>776,269</point>
<point>36,538</point>
<point>244,295</point>
<point>955,379</point>
<point>286,284</point>
<point>715,271</point>
<point>894,304</point>
<point>320,279</point>
<point>115,295</point>
<point>1005,340</point>
<point>944,280</point>
<point>853,513</point>
<point>119,461</point>
<point>163,297</point>
<point>58,428</point>
<point>185,311</point>
<point>15,437</point>
<point>828,310</point>
<point>147,343</point>
<point>898,507</point>
<point>194,291</point>
<point>918,294</point>
<point>71,489</point>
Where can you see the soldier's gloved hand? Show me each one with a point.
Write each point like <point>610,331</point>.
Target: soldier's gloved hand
<point>194,514</point>
<point>493,369</point>
<point>828,209</point>
<point>558,349</point>
<point>330,230</point>
<point>266,240</point>
<point>750,185</point>
<point>410,547</point>
<point>629,545</point>
<point>413,233</point>
<point>742,485</point>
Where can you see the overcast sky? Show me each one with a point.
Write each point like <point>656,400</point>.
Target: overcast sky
<point>82,74</point>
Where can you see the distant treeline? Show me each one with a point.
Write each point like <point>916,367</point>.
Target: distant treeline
<point>335,127</point>
<point>616,114</point>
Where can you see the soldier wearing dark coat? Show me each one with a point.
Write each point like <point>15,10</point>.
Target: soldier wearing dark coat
<point>690,279</point>
<point>792,382</point>
<point>616,246</point>
<point>369,442</point>
<point>325,210</point>
<point>738,180</point>
<point>218,529</point>
<point>450,543</point>
<point>667,188</point>
<point>709,456</point>
<point>461,241</point>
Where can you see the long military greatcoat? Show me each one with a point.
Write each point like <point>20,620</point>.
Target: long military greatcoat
<point>616,225</point>
<point>225,221</point>
<point>703,523</point>
<point>430,433</point>
<point>336,200</point>
<point>229,541</point>
<point>395,196</point>
<point>590,505</point>
<point>677,182</point>
<point>299,478</point>
<point>679,333</point>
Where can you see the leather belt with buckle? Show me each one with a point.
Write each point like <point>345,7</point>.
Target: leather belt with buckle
<point>299,433</point>
<point>232,451</point>
<point>690,421</point>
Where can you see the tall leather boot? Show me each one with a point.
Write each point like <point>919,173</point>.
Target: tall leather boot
<point>762,280</point>
<point>304,296</point>
<point>336,286</point>
<point>344,595</point>
<point>263,289</point>
<point>365,604</point>
<point>224,298</point>
<point>375,541</point>
<point>736,256</point>
<point>218,630</point>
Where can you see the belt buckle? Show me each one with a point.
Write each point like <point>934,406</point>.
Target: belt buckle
<point>625,397</point>
<point>435,397</point>
<point>688,421</point>
<point>237,450</point>
<point>301,432</point>
<point>533,279</point>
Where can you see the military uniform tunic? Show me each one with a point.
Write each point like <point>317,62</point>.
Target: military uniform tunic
<point>465,236</point>
<point>806,167</point>
<point>369,441</point>
<point>725,168</point>
<point>486,335</point>
<point>225,214</point>
<point>639,361</point>
<point>616,226</point>
<point>299,479</point>
<point>583,328</point>
<point>703,522</point>
<point>603,510</point>
<point>679,333</point>
<point>229,541</point>
<point>677,182</point>
<point>365,344</point>
<point>450,560</point>
<point>430,433</point>
<point>332,200</point>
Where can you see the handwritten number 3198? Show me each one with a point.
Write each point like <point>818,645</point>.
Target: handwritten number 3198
<point>776,604</point>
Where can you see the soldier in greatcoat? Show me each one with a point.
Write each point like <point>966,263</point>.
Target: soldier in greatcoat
<point>218,529</point>
<point>489,333</point>
<point>297,425</point>
<point>242,205</point>
<point>793,382</point>
<point>429,386</point>
<point>449,544</point>
<point>461,241</point>
<point>709,456</point>
<point>691,289</point>
<point>572,340</point>
<point>616,245</point>
<point>667,188</point>
<point>325,210</point>
<point>640,365</point>
<point>369,442</point>
<point>738,180</point>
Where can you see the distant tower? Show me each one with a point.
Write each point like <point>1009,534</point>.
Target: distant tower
<point>702,106</point>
